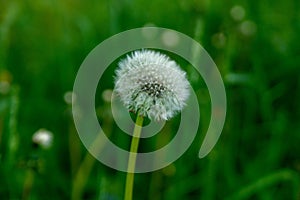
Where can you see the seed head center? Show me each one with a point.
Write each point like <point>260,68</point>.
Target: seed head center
<point>153,89</point>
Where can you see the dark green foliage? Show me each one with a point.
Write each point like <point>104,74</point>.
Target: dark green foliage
<point>42,45</point>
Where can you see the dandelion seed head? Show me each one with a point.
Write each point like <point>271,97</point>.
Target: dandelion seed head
<point>152,84</point>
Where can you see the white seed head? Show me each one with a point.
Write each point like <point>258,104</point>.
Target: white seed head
<point>152,84</point>
<point>43,138</point>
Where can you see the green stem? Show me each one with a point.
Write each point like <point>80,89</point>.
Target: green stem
<point>132,157</point>
<point>28,184</point>
<point>82,174</point>
<point>84,171</point>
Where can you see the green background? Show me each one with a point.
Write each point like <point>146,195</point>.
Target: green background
<point>42,45</point>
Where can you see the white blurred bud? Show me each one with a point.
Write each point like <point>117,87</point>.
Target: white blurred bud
<point>69,96</point>
<point>237,12</point>
<point>107,95</point>
<point>4,87</point>
<point>219,40</point>
<point>170,38</point>
<point>149,34</point>
<point>43,138</point>
<point>248,28</point>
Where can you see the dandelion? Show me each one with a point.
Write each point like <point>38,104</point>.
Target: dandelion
<point>43,138</point>
<point>151,84</point>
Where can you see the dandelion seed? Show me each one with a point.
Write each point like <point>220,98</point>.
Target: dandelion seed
<point>152,84</point>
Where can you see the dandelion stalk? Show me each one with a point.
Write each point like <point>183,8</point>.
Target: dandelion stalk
<point>132,157</point>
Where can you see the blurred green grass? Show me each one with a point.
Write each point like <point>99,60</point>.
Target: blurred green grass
<point>42,44</point>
